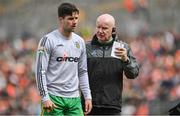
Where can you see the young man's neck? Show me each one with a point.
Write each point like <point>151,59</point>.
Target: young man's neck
<point>64,33</point>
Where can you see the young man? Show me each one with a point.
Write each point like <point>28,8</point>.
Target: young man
<point>106,72</point>
<point>61,67</point>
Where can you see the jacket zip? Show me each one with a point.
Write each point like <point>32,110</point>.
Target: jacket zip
<point>103,51</point>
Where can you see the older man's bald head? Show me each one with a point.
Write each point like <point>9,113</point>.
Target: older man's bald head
<point>106,18</point>
<point>105,24</point>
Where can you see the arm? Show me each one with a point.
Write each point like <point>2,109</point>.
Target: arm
<point>84,81</point>
<point>83,75</point>
<point>42,59</point>
<point>131,68</point>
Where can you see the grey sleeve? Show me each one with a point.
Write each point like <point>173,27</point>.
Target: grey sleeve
<point>131,69</point>
<point>42,59</point>
<point>83,75</point>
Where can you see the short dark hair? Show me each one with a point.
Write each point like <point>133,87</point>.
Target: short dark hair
<point>67,9</point>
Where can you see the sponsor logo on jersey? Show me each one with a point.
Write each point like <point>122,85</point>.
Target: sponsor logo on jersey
<point>67,59</point>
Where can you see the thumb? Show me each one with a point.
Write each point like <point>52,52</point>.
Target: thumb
<point>54,105</point>
<point>87,107</point>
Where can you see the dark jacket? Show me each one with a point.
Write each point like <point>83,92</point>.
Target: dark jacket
<point>106,73</point>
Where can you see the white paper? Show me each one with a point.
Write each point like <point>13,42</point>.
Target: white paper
<point>116,45</point>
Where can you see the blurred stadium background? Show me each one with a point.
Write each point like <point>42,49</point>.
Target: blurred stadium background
<point>151,27</point>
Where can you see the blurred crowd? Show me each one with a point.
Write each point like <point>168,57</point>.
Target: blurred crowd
<point>157,88</point>
<point>18,92</point>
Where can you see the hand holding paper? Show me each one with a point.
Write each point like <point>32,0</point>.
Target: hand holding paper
<point>118,51</point>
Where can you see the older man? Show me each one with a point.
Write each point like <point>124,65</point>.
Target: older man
<point>106,72</point>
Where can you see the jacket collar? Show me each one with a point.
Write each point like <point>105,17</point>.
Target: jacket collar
<point>96,42</point>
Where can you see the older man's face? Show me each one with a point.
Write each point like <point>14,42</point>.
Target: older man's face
<point>103,30</point>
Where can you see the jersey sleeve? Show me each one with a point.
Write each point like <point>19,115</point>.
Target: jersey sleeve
<point>42,59</point>
<point>83,75</point>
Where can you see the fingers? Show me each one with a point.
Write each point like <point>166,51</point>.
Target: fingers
<point>120,49</point>
<point>121,53</point>
<point>87,110</point>
<point>50,107</point>
<point>48,110</point>
<point>88,107</point>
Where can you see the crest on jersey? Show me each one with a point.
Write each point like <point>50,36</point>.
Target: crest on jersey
<point>77,45</point>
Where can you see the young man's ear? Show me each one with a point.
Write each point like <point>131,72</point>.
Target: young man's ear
<point>61,18</point>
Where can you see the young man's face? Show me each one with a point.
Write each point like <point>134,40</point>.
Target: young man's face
<point>69,22</point>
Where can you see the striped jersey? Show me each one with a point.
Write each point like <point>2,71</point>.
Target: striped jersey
<point>61,66</point>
